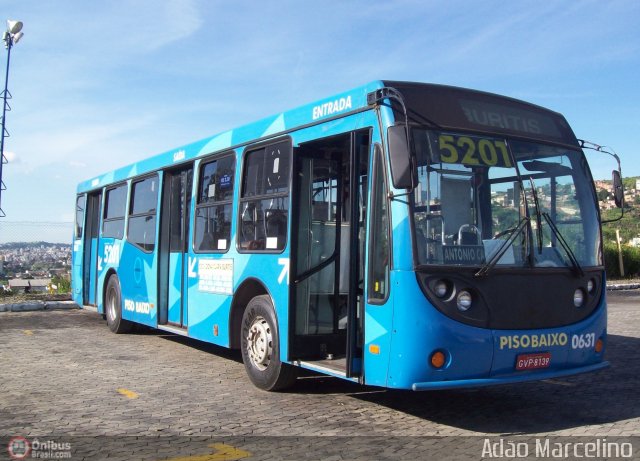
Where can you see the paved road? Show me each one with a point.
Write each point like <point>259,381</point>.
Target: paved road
<point>66,379</point>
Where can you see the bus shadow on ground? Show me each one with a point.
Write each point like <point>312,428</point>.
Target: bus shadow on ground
<point>223,352</point>
<point>607,396</point>
<point>604,397</point>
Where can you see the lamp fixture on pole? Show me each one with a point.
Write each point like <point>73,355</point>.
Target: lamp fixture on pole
<point>11,36</point>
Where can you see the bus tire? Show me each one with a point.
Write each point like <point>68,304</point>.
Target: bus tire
<point>260,346</point>
<point>113,307</point>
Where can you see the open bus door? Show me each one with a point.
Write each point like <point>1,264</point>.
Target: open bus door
<point>174,236</point>
<point>90,244</point>
<point>328,223</point>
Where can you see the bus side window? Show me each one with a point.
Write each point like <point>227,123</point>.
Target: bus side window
<point>379,257</point>
<point>142,213</point>
<point>114,212</point>
<point>213,210</point>
<point>264,198</point>
<point>80,206</point>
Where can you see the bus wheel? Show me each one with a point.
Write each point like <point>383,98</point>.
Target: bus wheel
<point>113,307</point>
<point>261,347</point>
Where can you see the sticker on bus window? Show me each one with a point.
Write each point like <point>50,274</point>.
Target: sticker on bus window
<point>212,191</point>
<point>222,244</point>
<point>225,181</point>
<point>272,243</point>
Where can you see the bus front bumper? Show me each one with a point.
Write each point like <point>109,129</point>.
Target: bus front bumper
<point>464,383</point>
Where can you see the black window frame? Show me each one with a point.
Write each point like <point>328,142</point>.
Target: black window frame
<point>214,203</point>
<point>79,225</point>
<point>150,213</point>
<point>380,190</point>
<point>106,220</point>
<point>281,195</point>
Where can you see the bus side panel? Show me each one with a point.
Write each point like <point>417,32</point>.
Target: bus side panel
<point>210,286</point>
<point>138,281</point>
<point>109,250</point>
<point>208,315</point>
<point>377,339</point>
<point>210,298</point>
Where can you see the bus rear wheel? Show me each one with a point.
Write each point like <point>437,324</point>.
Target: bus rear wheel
<point>113,307</point>
<point>261,347</point>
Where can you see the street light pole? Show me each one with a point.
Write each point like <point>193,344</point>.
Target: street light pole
<point>11,36</point>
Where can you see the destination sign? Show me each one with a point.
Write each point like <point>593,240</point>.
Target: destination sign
<point>463,254</point>
<point>470,151</point>
<point>459,109</point>
<point>508,117</point>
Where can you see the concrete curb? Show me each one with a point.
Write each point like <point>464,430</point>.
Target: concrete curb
<point>622,286</point>
<point>28,306</point>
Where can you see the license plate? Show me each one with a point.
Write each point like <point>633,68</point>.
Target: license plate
<point>533,361</point>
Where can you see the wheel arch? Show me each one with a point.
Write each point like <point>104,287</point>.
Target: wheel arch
<point>248,289</point>
<point>111,271</point>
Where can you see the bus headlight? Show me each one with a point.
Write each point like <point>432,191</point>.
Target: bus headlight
<point>464,300</point>
<point>578,297</point>
<point>591,286</point>
<point>440,288</point>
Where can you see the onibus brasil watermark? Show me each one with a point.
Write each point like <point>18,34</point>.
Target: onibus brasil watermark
<point>553,449</point>
<point>22,448</point>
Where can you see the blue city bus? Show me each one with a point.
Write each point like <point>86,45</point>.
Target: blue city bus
<point>403,235</point>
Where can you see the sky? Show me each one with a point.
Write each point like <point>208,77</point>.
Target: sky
<point>98,85</point>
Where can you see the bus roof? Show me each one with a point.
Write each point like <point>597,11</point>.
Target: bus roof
<point>338,105</point>
<point>448,107</point>
<point>437,106</point>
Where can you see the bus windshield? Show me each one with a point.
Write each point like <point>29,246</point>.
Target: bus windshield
<point>492,200</point>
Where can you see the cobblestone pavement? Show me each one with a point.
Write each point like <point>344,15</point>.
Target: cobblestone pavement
<point>66,379</point>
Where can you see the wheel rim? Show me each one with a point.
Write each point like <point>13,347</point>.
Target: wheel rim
<point>260,343</point>
<point>111,304</point>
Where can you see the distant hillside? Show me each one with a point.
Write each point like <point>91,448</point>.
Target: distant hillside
<point>628,183</point>
<point>25,245</point>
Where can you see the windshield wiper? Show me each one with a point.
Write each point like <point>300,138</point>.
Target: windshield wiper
<point>484,270</point>
<point>565,245</point>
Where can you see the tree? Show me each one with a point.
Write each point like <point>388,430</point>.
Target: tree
<point>64,285</point>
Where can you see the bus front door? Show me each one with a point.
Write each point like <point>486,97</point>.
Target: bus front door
<point>176,206</point>
<point>90,263</point>
<point>327,252</point>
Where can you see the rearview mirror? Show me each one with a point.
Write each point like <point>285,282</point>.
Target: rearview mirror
<point>618,189</point>
<point>400,158</point>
